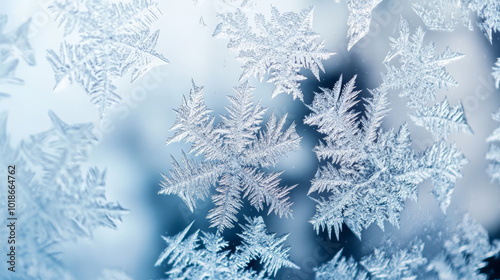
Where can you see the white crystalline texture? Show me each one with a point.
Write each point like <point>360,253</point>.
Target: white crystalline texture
<point>236,152</point>
<point>280,47</point>
<point>113,38</point>
<point>58,199</point>
<point>443,15</point>
<point>442,120</point>
<point>420,71</point>
<point>464,252</point>
<point>494,153</point>
<point>359,18</point>
<point>13,44</point>
<point>205,257</point>
<point>496,73</point>
<point>370,173</point>
<point>402,264</point>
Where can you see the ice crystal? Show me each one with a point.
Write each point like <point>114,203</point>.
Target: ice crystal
<point>402,264</point>
<point>205,257</point>
<point>113,38</point>
<point>280,47</point>
<point>339,268</point>
<point>371,172</point>
<point>465,252</point>
<point>57,200</point>
<point>359,18</point>
<point>420,69</point>
<point>235,150</point>
<point>11,44</point>
<point>441,120</point>
<point>494,153</point>
<point>496,73</point>
<point>444,14</point>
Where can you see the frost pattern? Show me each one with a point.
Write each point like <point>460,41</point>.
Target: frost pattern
<point>57,199</point>
<point>12,44</point>
<point>494,153</point>
<point>359,18</point>
<point>235,150</point>
<point>113,38</point>
<point>339,268</point>
<point>403,264</point>
<point>464,252</point>
<point>441,120</point>
<point>421,70</point>
<point>371,173</point>
<point>496,73</point>
<point>205,257</point>
<point>443,15</point>
<point>280,47</point>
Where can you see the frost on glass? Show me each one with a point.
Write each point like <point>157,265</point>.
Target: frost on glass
<point>113,39</point>
<point>444,15</point>
<point>496,73</point>
<point>402,264</point>
<point>493,154</point>
<point>280,47</point>
<point>442,119</point>
<point>205,256</point>
<point>58,199</point>
<point>464,252</point>
<point>236,153</point>
<point>417,71</point>
<point>114,274</point>
<point>370,173</point>
<point>14,44</point>
<point>359,18</point>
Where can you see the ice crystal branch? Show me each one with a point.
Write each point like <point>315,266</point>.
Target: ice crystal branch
<point>444,14</point>
<point>370,173</point>
<point>280,47</point>
<point>59,200</point>
<point>113,38</point>
<point>464,252</point>
<point>205,257</point>
<point>402,264</point>
<point>494,153</point>
<point>235,152</point>
<point>359,19</point>
<point>12,43</point>
<point>496,73</point>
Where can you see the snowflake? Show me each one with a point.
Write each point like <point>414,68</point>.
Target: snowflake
<point>280,47</point>
<point>372,172</point>
<point>442,120</point>
<point>403,264</point>
<point>421,70</point>
<point>360,16</point>
<point>57,202</point>
<point>209,260</point>
<point>496,73</point>
<point>464,252</point>
<point>234,152</point>
<point>15,42</point>
<point>113,38</point>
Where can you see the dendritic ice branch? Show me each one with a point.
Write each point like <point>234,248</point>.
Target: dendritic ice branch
<point>496,73</point>
<point>443,15</point>
<point>113,38</point>
<point>359,19</point>
<point>205,257</point>
<point>465,251</point>
<point>402,264</point>
<point>370,173</point>
<point>58,199</point>
<point>236,150</point>
<point>12,44</point>
<point>280,47</point>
